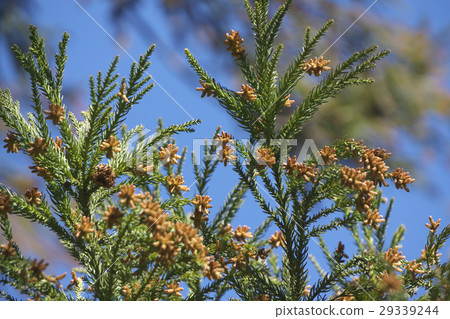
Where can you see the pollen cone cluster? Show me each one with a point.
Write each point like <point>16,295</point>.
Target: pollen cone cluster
<point>316,66</point>
<point>234,43</point>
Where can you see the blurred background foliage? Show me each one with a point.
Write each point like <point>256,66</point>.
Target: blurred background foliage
<point>411,94</point>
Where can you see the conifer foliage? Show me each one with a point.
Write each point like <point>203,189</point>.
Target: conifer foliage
<point>117,199</point>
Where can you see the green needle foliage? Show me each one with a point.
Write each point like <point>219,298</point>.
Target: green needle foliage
<point>306,200</point>
<point>83,167</point>
<point>116,197</point>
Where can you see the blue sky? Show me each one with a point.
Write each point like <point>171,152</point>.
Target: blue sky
<point>91,50</point>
